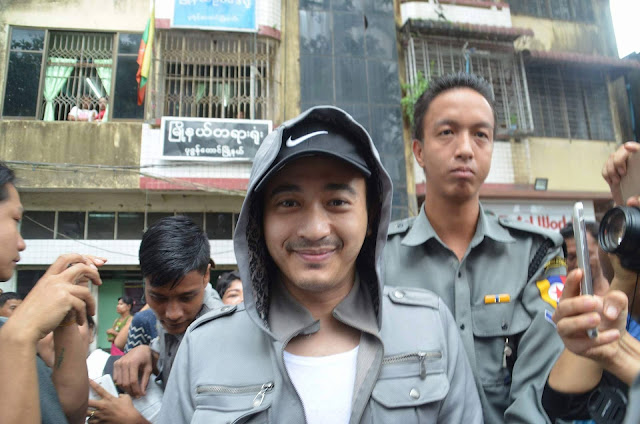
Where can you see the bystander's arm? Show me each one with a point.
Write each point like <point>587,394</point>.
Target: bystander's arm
<point>69,375</point>
<point>121,337</point>
<point>19,403</point>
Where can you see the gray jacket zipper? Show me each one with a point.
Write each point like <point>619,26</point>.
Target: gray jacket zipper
<point>261,390</point>
<point>419,356</point>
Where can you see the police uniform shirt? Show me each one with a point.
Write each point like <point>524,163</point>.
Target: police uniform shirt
<point>502,295</point>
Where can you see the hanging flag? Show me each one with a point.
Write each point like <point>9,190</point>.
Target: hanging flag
<point>144,56</point>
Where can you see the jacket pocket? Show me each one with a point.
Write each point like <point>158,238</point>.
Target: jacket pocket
<point>233,404</point>
<point>410,388</point>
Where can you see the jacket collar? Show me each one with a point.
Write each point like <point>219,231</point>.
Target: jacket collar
<point>421,231</point>
<point>288,318</point>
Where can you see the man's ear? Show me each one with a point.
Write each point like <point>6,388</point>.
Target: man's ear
<point>207,275</point>
<point>417,151</point>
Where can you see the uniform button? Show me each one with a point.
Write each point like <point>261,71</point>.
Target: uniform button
<point>414,394</point>
<point>398,294</point>
<point>462,326</point>
<point>504,325</point>
<point>225,308</point>
<point>459,274</point>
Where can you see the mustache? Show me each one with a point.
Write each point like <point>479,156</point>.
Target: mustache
<point>330,242</point>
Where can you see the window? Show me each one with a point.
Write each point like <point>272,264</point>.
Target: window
<point>71,225</point>
<point>23,76</point>
<point>98,225</point>
<point>568,10</point>
<point>436,56</point>
<point>213,75</point>
<point>101,225</point>
<point>153,217</point>
<point>219,226</point>
<point>78,70</point>
<point>130,225</point>
<point>569,103</point>
<point>38,225</point>
<point>125,96</point>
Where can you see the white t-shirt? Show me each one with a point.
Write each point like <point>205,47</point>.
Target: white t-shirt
<point>325,385</point>
<point>83,114</point>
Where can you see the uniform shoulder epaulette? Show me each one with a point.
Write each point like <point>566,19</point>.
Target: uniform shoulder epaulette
<point>400,226</point>
<point>554,236</point>
<point>412,296</point>
<point>212,315</point>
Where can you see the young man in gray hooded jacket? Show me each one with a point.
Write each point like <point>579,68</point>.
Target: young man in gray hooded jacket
<point>318,339</point>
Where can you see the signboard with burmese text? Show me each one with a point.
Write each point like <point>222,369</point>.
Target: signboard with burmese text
<point>211,139</point>
<point>227,15</point>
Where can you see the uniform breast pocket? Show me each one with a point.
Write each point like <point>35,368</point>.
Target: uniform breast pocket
<point>409,389</point>
<point>496,329</point>
<point>247,404</point>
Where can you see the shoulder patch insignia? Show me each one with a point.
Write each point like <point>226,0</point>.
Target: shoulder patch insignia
<point>557,262</point>
<point>551,289</point>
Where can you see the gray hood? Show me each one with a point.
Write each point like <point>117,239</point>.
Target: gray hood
<point>256,267</point>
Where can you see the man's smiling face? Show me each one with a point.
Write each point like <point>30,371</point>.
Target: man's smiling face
<point>315,222</point>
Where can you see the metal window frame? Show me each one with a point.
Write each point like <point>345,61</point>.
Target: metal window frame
<point>242,61</point>
<point>234,217</point>
<point>43,65</point>
<point>549,88</point>
<point>498,63</point>
<point>6,72</point>
<point>546,9</point>
<point>66,35</point>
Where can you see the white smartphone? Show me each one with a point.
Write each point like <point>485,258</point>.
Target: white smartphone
<point>582,253</point>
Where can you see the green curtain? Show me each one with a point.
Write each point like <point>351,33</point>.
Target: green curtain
<point>105,72</point>
<point>202,89</point>
<point>223,91</point>
<point>56,76</point>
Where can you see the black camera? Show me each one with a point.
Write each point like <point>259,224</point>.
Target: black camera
<point>620,234</point>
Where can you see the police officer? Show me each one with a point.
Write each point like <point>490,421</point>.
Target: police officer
<point>500,278</point>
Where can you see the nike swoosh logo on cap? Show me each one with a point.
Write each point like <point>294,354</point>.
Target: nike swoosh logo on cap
<point>293,143</point>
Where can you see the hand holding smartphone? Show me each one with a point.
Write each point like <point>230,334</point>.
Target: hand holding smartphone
<point>582,253</point>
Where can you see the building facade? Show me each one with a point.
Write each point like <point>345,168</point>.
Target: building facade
<point>556,78</point>
<point>219,82</point>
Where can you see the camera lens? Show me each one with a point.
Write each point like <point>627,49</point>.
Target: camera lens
<point>614,229</point>
<point>620,234</point>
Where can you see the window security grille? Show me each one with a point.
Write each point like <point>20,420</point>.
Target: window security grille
<point>213,75</point>
<point>437,56</point>
<point>569,103</point>
<point>78,72</point>
<point>568,10</point>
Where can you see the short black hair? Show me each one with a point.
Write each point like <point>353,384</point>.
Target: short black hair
<point>438,86</point>
<point>225,280</point>
<point>592,227</point>
<point>7,176</point>
<point>128,300</point>
<point>171,248</point>
<point>4,297</point>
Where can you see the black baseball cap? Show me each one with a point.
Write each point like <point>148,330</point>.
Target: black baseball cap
<point>316,138</point>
